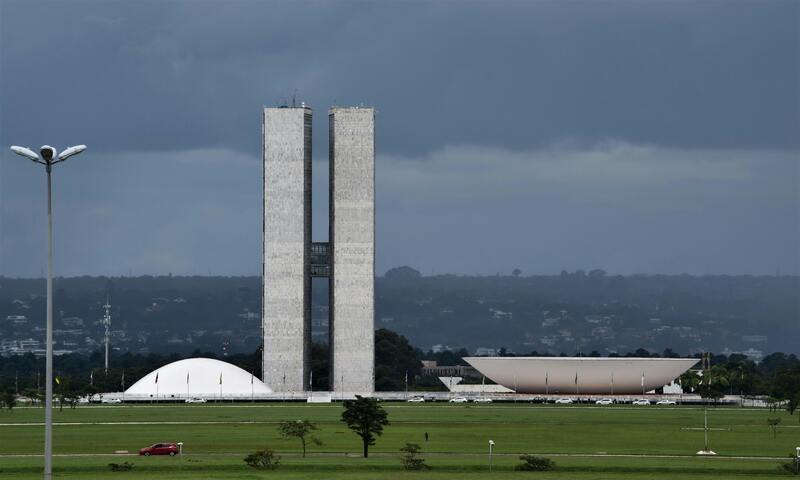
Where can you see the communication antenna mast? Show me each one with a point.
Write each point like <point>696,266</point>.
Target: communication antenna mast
<point>107,325</point>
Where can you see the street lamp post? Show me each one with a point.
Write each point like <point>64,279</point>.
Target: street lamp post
<point>491,444</point>
<point>48,157</point>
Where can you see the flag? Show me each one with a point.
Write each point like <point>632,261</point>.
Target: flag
<point>156,377</point>
<point>58,381</point>
<point>91,377</point>
<point>406,376</point>
<point>576,378</point>
<point>642,379</point>
<point>251,378</point>
<point>220,378</point>
<point>545,378</point>
<point>187,378</point>
<point>123,379</point>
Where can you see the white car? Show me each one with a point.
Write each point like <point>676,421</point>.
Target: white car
<point>111,400</point>
<point>195,400</point>
<point>666,402</point>
<point>482,400</point>
<point>458,400</point>
<point>416,400</point>
<point>641,401</point>
<point>564,400</point>
<point>604,401</point>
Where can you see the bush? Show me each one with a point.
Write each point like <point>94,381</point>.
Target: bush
<point>534,463</point>
<point>120,467</point>
<point>792,467</point>
<point>263,459</point>
<point>412,457</point>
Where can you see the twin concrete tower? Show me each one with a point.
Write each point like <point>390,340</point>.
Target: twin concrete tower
<point>291,259</point>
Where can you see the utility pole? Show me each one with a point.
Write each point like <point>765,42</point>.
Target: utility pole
<point>107,324</point>
<point>707,382</point>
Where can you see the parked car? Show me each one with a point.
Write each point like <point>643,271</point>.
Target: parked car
<point>604,401</point>
<point>170,449</point>
<point>564,400</point>
<point>416,400</point>
<point>666,402</point>
<point>641,401</point>
<point>111,400</point>
<point>195,400</point>
<point>458,400</point>
<point>482,400</point>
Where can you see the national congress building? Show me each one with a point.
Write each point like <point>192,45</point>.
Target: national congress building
<point>291,259</point>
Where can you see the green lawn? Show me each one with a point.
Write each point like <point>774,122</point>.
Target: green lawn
<point>217,437</point>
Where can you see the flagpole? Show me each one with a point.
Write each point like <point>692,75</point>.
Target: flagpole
<point>515,387</point>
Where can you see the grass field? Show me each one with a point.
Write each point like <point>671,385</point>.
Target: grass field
<point>619,442</point>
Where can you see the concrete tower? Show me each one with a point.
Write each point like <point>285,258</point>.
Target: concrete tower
<point>286,307</point>
<point>352,238</point>
<point>291,259</point>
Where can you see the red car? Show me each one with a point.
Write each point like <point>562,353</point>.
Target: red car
<point>170,449</point>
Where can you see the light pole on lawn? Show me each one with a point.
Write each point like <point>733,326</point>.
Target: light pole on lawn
<point>491,445</point>
<point>48,157</point>
<point>797,460</point>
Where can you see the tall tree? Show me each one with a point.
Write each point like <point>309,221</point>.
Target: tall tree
<point>365,417</point>
<point>394,358</point>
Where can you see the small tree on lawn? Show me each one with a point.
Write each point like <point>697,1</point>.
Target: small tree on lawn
<point>412,457</point>
<point>301,429</point>
<point>773,423</point>
<point>9,399</point>
<point>263,459</point>
<point>365,417</point>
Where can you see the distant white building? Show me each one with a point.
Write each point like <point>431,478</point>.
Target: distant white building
<point>581,375</point>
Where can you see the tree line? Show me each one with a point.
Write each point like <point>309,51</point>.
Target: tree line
<point>398,365</point>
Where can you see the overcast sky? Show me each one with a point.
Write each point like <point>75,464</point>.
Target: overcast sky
<point>637,137</point>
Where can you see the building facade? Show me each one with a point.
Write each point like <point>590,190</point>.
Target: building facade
<point>291,259</point>
<point>286,306</point>
<point>352,238</point>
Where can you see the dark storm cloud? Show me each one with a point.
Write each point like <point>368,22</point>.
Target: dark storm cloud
<point>470,97</point>
<point>167,75</point>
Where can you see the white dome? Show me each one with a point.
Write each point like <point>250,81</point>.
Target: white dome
<point>198,377</point>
